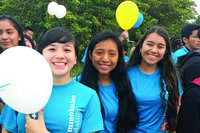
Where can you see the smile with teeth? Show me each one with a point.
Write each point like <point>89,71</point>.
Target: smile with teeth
<point>59,63</point>
<point>104,66</point>
<point>152,55</point>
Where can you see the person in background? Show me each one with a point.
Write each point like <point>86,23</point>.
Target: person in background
<point>125,51</point>
<point>29,42</point>
<point>155,82</point>
<point>189,114</point>
<point>72,107</point>
<point>29,31</point>
<point>190,40</point>
<point>11,33</point>
<point>176,44</point>
<point>105,72</point>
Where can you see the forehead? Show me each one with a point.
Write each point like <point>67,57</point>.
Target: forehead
<point>67,44</point>
<point>155,38</point>
<point>106,44</point>
<point>194,32</point>
<point>6,24</point>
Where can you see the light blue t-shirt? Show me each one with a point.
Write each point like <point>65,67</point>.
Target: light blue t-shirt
<point>72,108</point>
<point>179,53</point>
<point>108,95</point>
<point>147,89</point>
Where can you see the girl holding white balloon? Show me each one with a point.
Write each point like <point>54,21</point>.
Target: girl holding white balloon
<point>72,107</point>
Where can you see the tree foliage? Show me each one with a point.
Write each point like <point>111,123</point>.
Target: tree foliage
<point>197,21</point>
<point>85,18</point>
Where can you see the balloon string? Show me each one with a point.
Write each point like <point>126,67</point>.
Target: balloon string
<point>130,42</point>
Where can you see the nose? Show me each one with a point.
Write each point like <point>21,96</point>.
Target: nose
<point>105,57</point>
<point>154,48</point>
<point>3,35</point>
<point>59,54</point>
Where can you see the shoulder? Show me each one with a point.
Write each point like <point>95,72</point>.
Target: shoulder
<point>180,52</point>
<point>82,88</point>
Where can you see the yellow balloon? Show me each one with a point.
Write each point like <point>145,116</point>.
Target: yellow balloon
<point>127,14</point>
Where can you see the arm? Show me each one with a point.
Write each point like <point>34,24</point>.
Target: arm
<point>4,131</point>
<point>36,126</point>
<point>124,35</point>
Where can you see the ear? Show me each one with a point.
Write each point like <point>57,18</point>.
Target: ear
<point>185,40</point>
<point>90,55</point>
<point>75,60</point>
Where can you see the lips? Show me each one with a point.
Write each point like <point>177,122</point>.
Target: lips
<point>59,63</point>
<point>5,43</point>
<point>104,67</point>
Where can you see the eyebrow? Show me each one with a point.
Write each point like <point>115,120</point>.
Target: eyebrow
<point>158,43</point>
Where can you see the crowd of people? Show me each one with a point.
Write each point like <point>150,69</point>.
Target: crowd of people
<point>154,90</point>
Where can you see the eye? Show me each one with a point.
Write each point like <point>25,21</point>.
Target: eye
<point>112,54</point>
<point>52,49</point>
<point>161,46</point>
<point>150,44</point>
<point>10,32</point>
<point>98,52</point>
<point>68,50</point>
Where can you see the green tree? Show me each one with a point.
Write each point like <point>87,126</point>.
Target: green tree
<point>85,18</point>
<point>197,21</point>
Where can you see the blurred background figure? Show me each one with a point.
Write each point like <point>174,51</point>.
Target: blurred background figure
<point>29,31</point>
<point>29,42</point>
<point>176,43</point>
<point>189,114</point>
<point>190,40</point>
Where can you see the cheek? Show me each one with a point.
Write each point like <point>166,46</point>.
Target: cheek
<point>46,56</point>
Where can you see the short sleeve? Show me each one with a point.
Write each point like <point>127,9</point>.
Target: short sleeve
<point>8,119</point>
<point>92,119</point>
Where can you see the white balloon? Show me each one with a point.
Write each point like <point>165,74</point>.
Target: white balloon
<point>52,8</point>
<point>61,11</point>
<point>25,79</point>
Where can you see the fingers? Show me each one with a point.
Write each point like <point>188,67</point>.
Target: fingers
<point>40,114</point>
<point>27,117</point>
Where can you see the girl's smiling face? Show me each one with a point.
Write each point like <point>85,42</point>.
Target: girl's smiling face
<point>9,36</point>
<point>61,58</point>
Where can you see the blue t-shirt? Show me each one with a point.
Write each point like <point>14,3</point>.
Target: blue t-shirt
<point>72,108</point>
<point>147,89</point>
<point>179,53</point>
<point>108,95</point>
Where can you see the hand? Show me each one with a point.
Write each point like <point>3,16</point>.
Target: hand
<point>36,126</point>
<point>124,35</point>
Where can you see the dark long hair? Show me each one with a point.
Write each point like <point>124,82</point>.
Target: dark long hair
<point>168,73</point>
<point>127,115</point>
<point>17,26</point>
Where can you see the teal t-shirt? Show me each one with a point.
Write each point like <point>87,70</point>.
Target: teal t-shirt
<point>72,108</point>
<point>147,89</point>
<point>108,95</point>
<point>178,53</point>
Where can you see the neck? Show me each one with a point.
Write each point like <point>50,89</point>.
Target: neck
<point>104,79</point>
<point>58,80</point>
<point>147,69</point>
